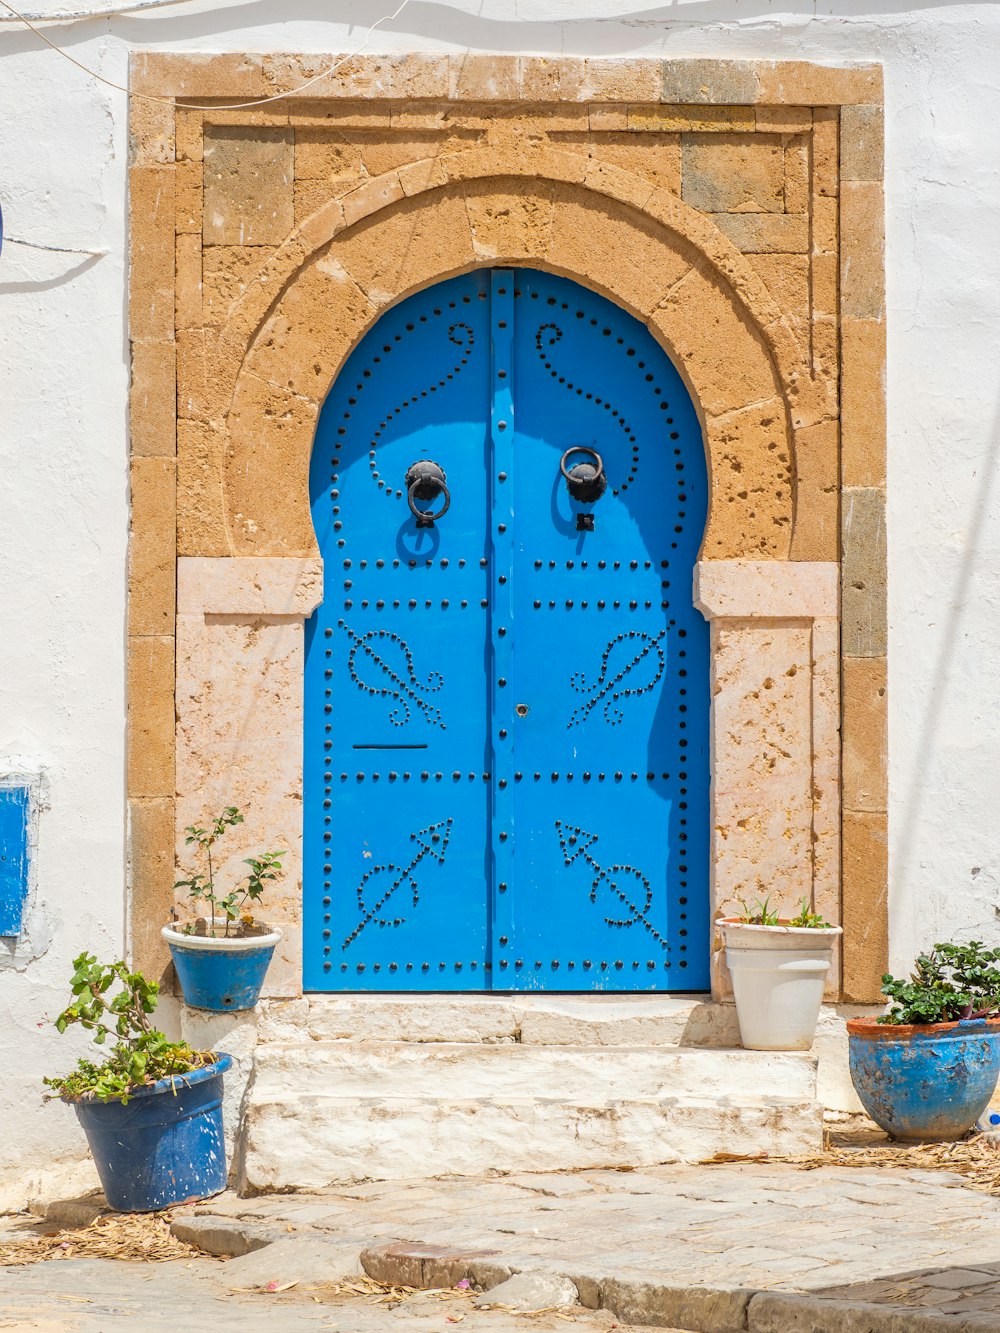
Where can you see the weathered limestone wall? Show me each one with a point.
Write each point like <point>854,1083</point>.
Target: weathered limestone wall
<point>705,197</point>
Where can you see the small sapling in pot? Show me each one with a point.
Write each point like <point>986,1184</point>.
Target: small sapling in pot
<point>222,954</point>
<point>779,967</point>
<point>152,1109</point>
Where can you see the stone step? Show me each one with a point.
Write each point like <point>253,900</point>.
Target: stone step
<point>547,1020</point>
<point>585,1075</point>
<point>332,1112</point>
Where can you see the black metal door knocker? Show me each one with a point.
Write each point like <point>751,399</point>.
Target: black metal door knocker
<point>425,480</point>
<point>585,481</point>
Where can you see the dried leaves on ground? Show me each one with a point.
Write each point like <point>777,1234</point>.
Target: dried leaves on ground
<point>140,1237</point>
<point>976,1158</point>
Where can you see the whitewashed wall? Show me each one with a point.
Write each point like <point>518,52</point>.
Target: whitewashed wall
<point>63,437</point>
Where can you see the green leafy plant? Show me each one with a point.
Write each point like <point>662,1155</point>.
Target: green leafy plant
<point>951,982</point>
<point>111,1001</point>
<point>761,913</point>
<point>201,888</point>
<point>809,919</point>
<point>758,913</point>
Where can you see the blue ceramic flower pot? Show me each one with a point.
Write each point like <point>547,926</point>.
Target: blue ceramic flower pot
<point>164,1146</point>
<point>221,975</point>
<point>925,1081</point>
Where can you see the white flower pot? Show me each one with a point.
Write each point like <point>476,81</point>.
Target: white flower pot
<point>779,975</point>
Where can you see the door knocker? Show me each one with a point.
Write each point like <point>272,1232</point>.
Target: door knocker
<point>425,480</point>
<point>585,481</point>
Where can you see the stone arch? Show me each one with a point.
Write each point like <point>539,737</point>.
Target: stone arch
<point>642,248</point>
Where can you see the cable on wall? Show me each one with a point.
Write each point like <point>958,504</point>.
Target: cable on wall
<point>225,106</point>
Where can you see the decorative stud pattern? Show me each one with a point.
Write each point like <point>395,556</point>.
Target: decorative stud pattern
<point>432,840</point>
<point>575,843</point>
<point>403,685</point>
<point>638,668</point>
<point>543,345</point>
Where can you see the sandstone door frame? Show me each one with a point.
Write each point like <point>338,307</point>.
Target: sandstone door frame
<point>735,207</point>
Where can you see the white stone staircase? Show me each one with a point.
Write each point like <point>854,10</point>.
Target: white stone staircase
<point>356,1088</point>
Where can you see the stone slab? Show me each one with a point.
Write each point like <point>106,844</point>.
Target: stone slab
<point>531,1292</point>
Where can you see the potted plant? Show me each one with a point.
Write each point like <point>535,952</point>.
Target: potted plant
<point>221,959</point>
<point>779,968</point>
<point>927,1068</point>
<point>152,1111</point>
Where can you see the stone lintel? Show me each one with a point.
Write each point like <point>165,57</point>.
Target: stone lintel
<point>767,589</point>
<point>249,586</point>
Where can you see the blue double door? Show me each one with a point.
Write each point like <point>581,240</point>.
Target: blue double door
<point>506,708</point>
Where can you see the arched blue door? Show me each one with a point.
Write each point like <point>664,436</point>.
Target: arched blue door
<point>506,713</point>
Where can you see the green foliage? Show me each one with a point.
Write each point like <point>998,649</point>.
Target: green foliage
<point>141,1055</point>
<point>809,919</point>
<point>953,981</point>
<point>759,912</point>
<point>201,888</point>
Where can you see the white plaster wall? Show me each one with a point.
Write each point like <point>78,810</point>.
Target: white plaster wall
<point>63,432</point>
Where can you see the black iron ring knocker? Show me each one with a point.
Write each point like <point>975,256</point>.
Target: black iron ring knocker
<point>425,480</point>
<point>585,481</point>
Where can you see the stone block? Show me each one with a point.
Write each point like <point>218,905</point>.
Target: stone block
<point>153,399</point>
<point>602,240</point>
<point>309,1260</point>
<point>150,716</point>
<point>797,174</point>
<point>195,75</point>
<point>725,82</point>
<point>412,1264</point>
<point>477,77</point>
<point>816,535</point>
<point>801,83</point>
<point>728,173</point>
<point>152,546</point>
<point>756,233</point>
<point>712,1309</point>
<point>206,368</point>
<point>862,354</point>
<point>865,739</point>
<point>249,587</point>
<point>548,78</point>
<point>227,1236</point>
<point>786,277</point>
<point>530,1291</point>
<point>865,905</point>
<point>864,572</point>
<point>228,272</point>
<point>151,266</point>
<point>151,880</point>
<point>766,589</point>
<point>620,80</point>
<point>201,528</point>
<point>862,138</point>
<point>784,119</point>
<point>187,283</point>
<point>248,185</point>
<point>692,119</point>
<point>862,245</point>
<point>751,464</point>
<point>150,132</point>
<point>826,150</point>
<point>825,225</point>
<point>188,134</point>
<point>189,196</point>
<point>514,222</point>
<point>825,282</point>
<point>652,157</point>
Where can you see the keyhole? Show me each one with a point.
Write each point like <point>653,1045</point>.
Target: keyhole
<point>521,710</point>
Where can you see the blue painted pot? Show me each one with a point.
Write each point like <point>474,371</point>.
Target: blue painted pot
<point>221,975</point>
<point>164,1146</point>
<point>925,1081</point>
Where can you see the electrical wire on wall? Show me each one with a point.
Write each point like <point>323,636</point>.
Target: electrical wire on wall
<point>225,106</point>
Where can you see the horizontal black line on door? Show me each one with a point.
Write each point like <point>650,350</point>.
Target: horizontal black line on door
<point>389,747</point>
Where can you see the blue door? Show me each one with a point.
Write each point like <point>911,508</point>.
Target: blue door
<point>506,720</point>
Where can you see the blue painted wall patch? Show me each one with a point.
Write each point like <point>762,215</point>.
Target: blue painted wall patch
<point>15,805</point>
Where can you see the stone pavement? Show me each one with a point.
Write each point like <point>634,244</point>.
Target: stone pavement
<point>750,1246</point>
